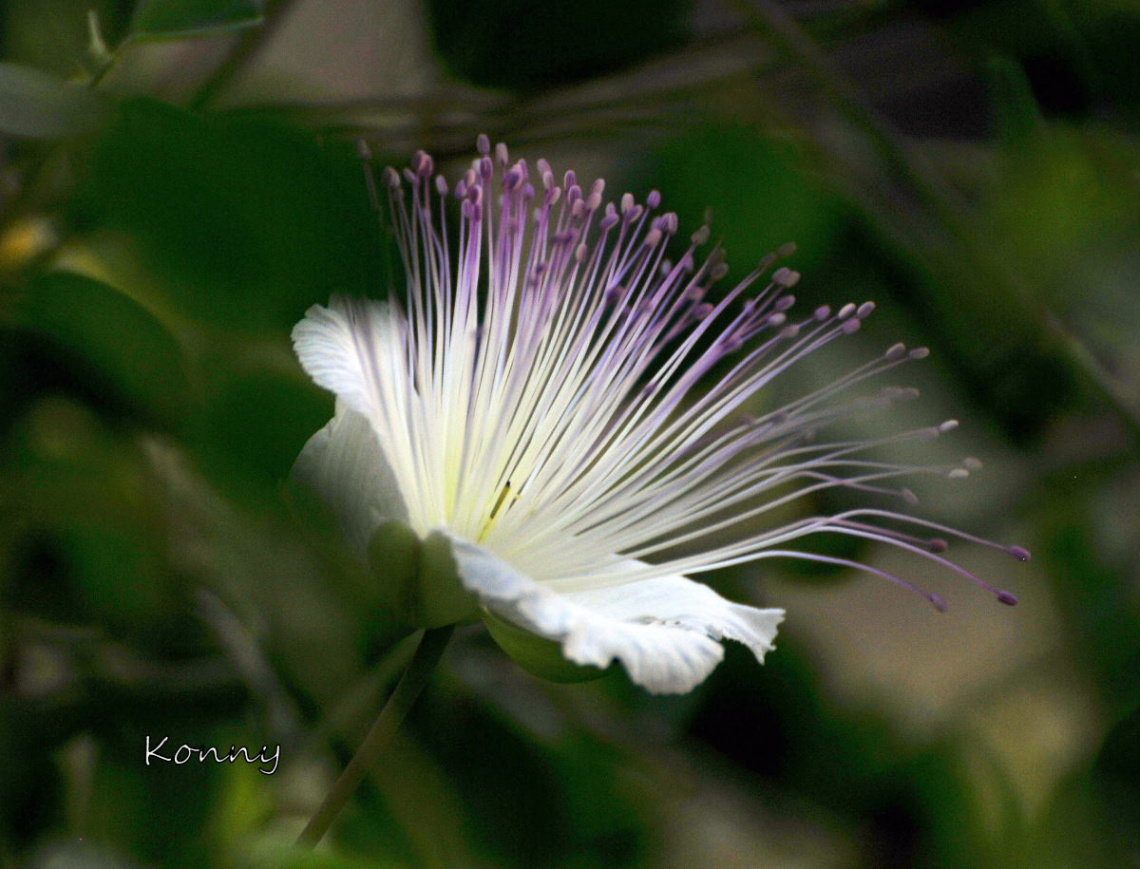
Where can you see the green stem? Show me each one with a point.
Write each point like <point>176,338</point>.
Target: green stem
<point>413,681</point>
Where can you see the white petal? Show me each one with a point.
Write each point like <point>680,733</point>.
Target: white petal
<point>338,345</point>
<point>344,465</point>
<point>663,631</point>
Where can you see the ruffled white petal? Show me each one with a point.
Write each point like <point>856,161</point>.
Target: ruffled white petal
<point>663,631</point>
<point>345,467</point>
<point>340,347</point>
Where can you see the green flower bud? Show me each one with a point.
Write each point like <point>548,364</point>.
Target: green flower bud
<point>418,577</point>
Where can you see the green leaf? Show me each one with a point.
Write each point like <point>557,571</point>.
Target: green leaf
<point>38,104</point>
<point>522,45</point>
<point>181,19</point>
<point>762,192</point>
<point>112,339</point>
<point>243,223</point>
<point>418,577</point>
<point>1015,107</point>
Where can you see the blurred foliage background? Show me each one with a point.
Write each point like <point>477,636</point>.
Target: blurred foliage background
<point>179,182</point>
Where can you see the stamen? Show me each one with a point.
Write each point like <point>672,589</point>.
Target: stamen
<point>562,348</point>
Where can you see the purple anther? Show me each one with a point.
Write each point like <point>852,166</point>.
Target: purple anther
<point>777,320</point>
<point>789,331</point>
<point>652,238</point>
<point>475,195</point>
<point>573,194</point>
<point>730,344</point>
<point>570,179</point>
<point>578,208</point>
<point>846,311</point>
<point>702,310</point>
<point>528,192</point>
<point>440,185</point>
<point>390,178</point>
<point>694,293</point>
<point>580,252</point>
<point>864,310</point>
<point>422,164</point>
<point>653,199</point>
<point>895,352</point>
<point>512,179</point>
<point>614,294</point>
<point>502,155</point>
<point>486,168</point>
<point>548,179</point>
<point>483,144</point>
<point>410,176</point>
<point>785,277</point>
<point>919,353</point>
<point>1019,552</point>
<point>937,544</point>
<point>599,186</point>
<point>634,213</point>
<point>553,195</point>
<point>626,202</point>
<point>784,302</point>
<point>608,222</point>
<point>593,201</point>
<point>851,326</point>
<point>822,313</point>
<point>1007,598</point>
<point>718,271</point>
<point>939,603</point>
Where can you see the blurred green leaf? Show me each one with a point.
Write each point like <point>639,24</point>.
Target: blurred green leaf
<point>129,352</point>
<point>523,45</point>
<point>759,189</point>
<point>1014,105</point>
<point>1098,595</point>
<point>253,424</point>
<point>1116,776</point>
<point>244,224</point>
<point>179,19</point>
<point>37,104</point>
<point>286,857</point>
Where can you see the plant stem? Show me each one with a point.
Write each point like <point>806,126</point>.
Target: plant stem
<point>415,678</point>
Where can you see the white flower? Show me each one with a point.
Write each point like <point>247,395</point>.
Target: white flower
<point>529,407</point>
